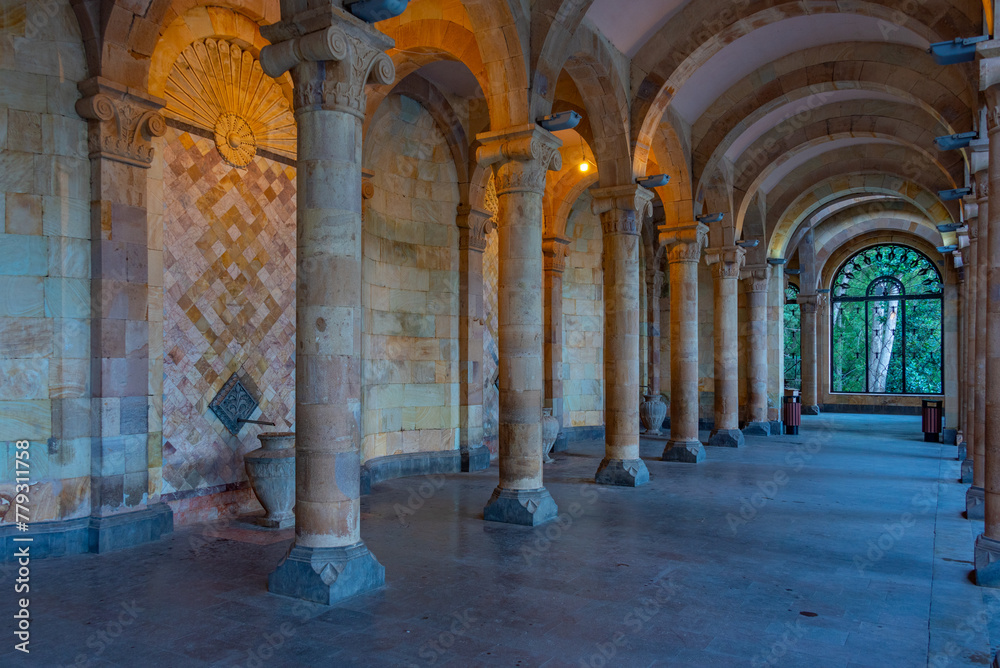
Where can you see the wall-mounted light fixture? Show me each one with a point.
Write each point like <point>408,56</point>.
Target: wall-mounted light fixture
<point>654,181</point>
<point>748,244</point>
<point>373,11</point>
<point>949,227</point>
<point>953,142</point>
<point>776,261</point>
<point>956,51</point>
<point>793,272</point>
<point>954,194</point>
<point>823,291</point>
<point>564,120</point>
<point>708,218</point>
<point>947,249</point>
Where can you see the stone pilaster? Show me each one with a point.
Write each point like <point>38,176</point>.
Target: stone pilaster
<point>991,444</point>
<point>554,252</point>
<point>975,496</point>
<point>727,263</point>
<point>654,286</point>
<point>776,349</point>
<point>122,124</point>
<point>622,209</point>
<point>473,226</point>
<point>971,282</point>
<point>684,246</point>
<point>757,283</point>
<point>808,305</point>
<point>331,56</point>
<point>520,158</point>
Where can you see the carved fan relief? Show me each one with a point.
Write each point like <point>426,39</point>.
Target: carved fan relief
<point>219,87</point>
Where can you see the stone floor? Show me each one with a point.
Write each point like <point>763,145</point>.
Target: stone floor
<point>844,546</point>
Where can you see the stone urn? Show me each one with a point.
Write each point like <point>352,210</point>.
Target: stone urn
<point>550,432</point>
<point>652,411</point>
<point>271,469</point>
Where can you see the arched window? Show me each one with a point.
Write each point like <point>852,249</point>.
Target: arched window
<point>886,323</point>
<point>793,339</point>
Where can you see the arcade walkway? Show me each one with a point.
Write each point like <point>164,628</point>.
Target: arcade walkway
<point>845,546</point>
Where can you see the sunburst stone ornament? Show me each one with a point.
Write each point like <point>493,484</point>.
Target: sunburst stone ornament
<point>219,87</point>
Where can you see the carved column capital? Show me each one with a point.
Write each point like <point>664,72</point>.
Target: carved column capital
<point>757,277</point>
<point>520,157</point>
<point>622,208</point>
<point>554,249</point>
<point>474,225</point>
<point>808,303</point>
<point>123,121</point>
<point>992,95</point>
<point>726,261</point>
<point>684,244</point>
<point>352,53</point>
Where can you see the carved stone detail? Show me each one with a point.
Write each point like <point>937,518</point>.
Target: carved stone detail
<point>475,226</point>
<point>622,208</point>
<point>123,123</point>
<point>521,157</point>
<point>757,278</point>
<point>554,253</point>
<point>352,53</point>
<point>808,303</point>
<point>726,261</point>
<point>684,244</point>
<point>220,87</point>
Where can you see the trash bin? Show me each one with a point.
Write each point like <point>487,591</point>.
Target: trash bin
<point>793,414</point>
<point>932,420</point>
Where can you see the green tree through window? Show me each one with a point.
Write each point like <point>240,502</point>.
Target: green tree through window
<point>793,338</point>
<point>886,323</point>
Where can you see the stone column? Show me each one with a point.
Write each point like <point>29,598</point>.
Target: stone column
<point>727,263</point>
<point>520,158</point>
<point>987,554</point>
<point>123,123</point>
<point>757,283</point>
<point>684,246</point>
<point>654,286</point>
<point>331,56</point>
<point>810,381</point>
<point>473,226</point>
<point>972,289</point>
<point>776,349</point>
<point>975,495</point>
<point>554,252</point>
<point>621,209</point>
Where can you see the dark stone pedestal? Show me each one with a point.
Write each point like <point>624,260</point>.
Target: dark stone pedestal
<point>757,429</point>
<point>810,410</point>
<point>326,575</point>
<point>963,452</point>
<point>475,459</point>
<point>987,562</point>
<point>691,452</point>
<point>528,507</point>
<point>727,438</point>
<point>975,503</point>
<point>622,472</point>
<point>777,428</point>
<point>967,471</point>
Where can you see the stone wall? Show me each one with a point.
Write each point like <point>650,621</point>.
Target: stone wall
<point>45,248</point>
<point>228,308</point>
<point>410,286</point>
<point>583,319</point>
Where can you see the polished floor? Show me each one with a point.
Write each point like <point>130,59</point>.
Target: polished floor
<point>844,546</point>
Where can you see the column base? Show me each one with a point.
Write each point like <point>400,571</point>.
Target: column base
<point>527,507</point>
<point>691,452</point>
<point>963,452</point>
<point>326,575</point>
<point>967,471</point>
<point>757,429</point>
<point>475,459</point>
<point>975,503</point>
<point>727,438</point>
<point>777,428</point>
<point>810,410</point>
<point>622,472</point>
<point>987,562</point>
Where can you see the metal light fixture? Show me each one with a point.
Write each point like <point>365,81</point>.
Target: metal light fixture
<point>953,142</point>
<point>654,181</point>
<point>710,217</point>
<point>564,120</point>
<point>956,51</point>
<point>373,11</point>
<point>947,249</point>
<point>954,194</point>
<point>776,261</point>
<point>949,227</point>
<point>823,291</point>
<point>748,244</point>
<point>793,272</point>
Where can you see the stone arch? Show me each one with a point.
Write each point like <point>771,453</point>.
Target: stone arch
<point>667,154</point>
<point>561,197</point>
<point>501,30</point>
<point>874,235</point>
<point>558,21</point>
